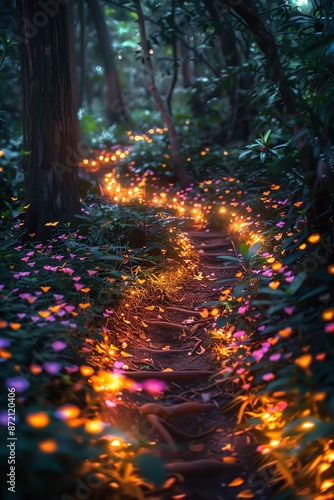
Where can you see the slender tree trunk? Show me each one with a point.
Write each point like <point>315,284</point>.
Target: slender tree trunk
<point>118,111</point>
<point>82,54</point>
<point>185,65</point>
<point>177,162</point>
<point>240,112</point>
<point>50,126</point>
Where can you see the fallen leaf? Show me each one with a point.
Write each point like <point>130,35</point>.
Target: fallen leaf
<point>236,482</point>
<point>245,494</point>
<point>230,460</point>
<point>204,313</point>
<point>169,483</point>
<point>126,354</point>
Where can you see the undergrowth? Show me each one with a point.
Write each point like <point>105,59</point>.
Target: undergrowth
<point>56,299</point>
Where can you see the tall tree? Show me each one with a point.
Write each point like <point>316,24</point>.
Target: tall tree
<point>118,111</point>
<point>49,117</point>
<point>162,106</point>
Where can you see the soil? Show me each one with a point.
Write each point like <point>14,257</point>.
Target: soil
<point>199,442</point>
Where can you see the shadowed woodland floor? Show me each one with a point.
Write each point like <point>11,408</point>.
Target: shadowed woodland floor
<point>204,453</point>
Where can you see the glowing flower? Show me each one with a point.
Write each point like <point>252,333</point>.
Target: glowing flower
<point>20,384</point>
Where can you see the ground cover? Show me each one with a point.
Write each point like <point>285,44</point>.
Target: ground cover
<point>172,339</point>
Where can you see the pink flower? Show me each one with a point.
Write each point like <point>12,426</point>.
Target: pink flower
<point>58,345</point>
<point>268,376</point>
<point>68,270</point>
<point>239,334</point>
<point>242,309</point>
<point>289,310</point>
<point>257,355</point>
<point>329,328</point>
<point>153,386</point>
<point>69,309</point>
<point>275,357</point>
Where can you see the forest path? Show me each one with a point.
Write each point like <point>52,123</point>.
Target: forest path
<point>198,442</point>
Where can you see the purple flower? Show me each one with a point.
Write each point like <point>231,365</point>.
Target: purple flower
<point>4,343</point>
<point>20,384</point>
<point>58,345</point>
<point>52,367</point>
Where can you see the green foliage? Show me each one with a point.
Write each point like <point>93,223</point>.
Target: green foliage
<point>11,175</point>
<point>55,299</point>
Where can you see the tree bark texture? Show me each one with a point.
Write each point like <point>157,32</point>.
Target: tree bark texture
<point>49,118</point>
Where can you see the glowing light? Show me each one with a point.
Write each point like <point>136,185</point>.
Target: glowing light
<point>328,314</point>
<point>274,442</point>
<point>307,425</point>
<point>39,419</point>
<point>274,284</point>
<point>313,238</point>
<point>285,332</point>
<point>326,484</point>
<point>94,426</point>
<point>67,412</point>
<point>108,381</point>
<point>48,446</point>
<point>304,361</point>
<point>115,443</point>
<point>86,371</point>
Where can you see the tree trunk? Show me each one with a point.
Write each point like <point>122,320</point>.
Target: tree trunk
<point>49,118</point>
<point>82,54</point>
<point>186,72</point>
<point>177,162</point>
<point>118,111</point>
<point>240,128</point>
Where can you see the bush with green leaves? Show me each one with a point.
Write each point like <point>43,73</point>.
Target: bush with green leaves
<point>55,300</point>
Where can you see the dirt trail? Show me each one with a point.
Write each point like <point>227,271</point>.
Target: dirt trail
<point>196,439</point>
